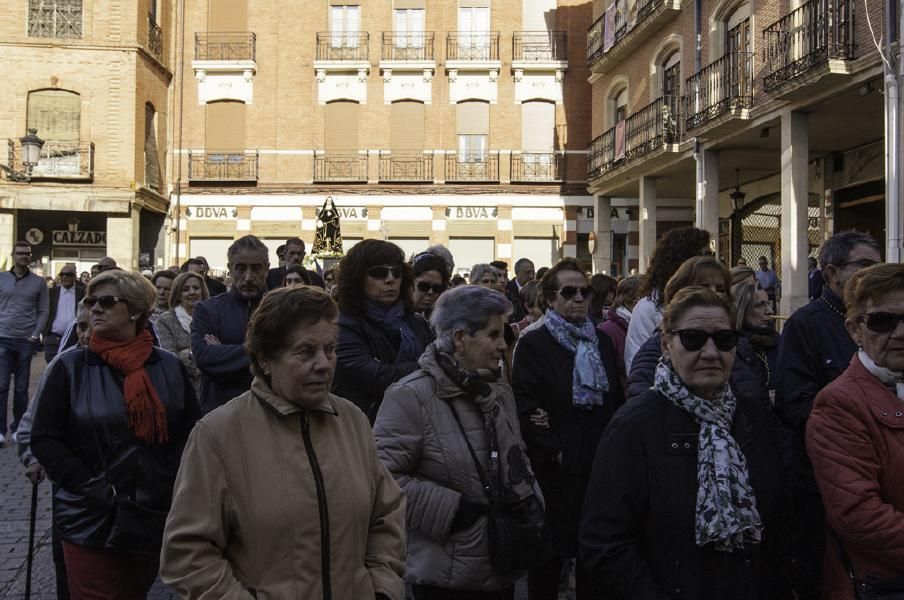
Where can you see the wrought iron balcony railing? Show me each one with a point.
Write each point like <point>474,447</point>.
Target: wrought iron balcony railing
<point>225,46</point>
<point>223,166</point>
<point>603,152</point>
<point>155,39</point>
<point>342,167</point>
<point>57,160</point>
<point>607,31</point>
<point>341,46</point>
<point>652,126</point>
<point>472,46</point>
<point>538,167</point>
<point>807,37</point>
<point>408,46</point>
<point>539,46</point>
<point>720,87</point>
<point>55,19</point>
<point>472,167</point>
<point>595,40</point>
<point>406,166</point>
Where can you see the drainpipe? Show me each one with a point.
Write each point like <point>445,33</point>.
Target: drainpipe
<point>893,213</point>
<point>700,187</point>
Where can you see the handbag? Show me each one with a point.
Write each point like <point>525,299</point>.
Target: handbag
<point>870,588</point>
<point>516,531</point>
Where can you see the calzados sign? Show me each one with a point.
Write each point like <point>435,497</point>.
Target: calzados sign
<point>79,238</point>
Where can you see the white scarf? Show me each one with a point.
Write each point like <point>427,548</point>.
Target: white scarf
<point>624,313</point>
<point>886,376</point>
<point>184,318</point>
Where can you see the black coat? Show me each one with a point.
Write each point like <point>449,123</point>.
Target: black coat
<point>562,456</point>
<point>366,359</point>
<point>53,301</point>
<point>81,413</point>
<point>214,287</point>
<point>637,526</point>
<point>513,293</point>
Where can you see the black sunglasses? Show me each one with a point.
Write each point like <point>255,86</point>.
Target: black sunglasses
<point>570,291</point>
<point>64,274</point>
<point>424,286</point>
<point>695,339</point>
<point>382,271</point>
<point>106,302</point>
<point>881,322</point>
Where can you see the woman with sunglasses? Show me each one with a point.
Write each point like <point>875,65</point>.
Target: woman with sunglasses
<point>110,427</point>
<point>685,496</point>
<point>566,385</point>
<point>430,280</point>
<point>380,335</point>
<point>855,439</point>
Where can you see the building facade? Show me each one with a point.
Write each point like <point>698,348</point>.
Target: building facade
<point>92,78</point>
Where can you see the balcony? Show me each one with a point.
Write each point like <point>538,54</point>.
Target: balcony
<point>343,47</point>
<point>406,167</point>
<point>472,168</point>
<point>223,167</point>
<point>69,160</point>
<point>617,32</point>
<point>602,155</point>
<point>155,40</point>
<point>345,168</point>
<point>721,93</point>
<point>233,47</point>
<point>538,167</point>
<point>466,46</point>
<point>408,47</point>
<point>539,47</point>
<point>811,44</point>
<point>225,65</point>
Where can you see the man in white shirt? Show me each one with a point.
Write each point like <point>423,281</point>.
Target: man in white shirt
<point>63,300</point>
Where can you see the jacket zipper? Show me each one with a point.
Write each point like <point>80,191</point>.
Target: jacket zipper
<point>322,507</point>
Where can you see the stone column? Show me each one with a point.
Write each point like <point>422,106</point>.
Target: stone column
<point>122,238</point>
<point>8,235</point>
<point>505,238</point>
<point>647,222</point>
<point>795,189</point>
<point>570,233</point>
<point>707,209</point>
<point>602,228</point>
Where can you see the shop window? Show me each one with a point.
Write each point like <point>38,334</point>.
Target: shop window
<point>55,18</point>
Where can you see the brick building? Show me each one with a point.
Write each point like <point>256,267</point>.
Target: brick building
<point>93,79</point>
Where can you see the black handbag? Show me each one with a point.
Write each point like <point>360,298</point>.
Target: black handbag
<point>516,531</point>
<point>870,588</point>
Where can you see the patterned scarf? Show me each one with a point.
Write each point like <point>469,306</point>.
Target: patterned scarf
<point>589,377</point>
<point>392,318</point>
<point>726,505</point>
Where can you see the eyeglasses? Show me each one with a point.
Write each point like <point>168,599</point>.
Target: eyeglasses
<point>82,326</point>
<point>570,291</point>
<point>383,271</point>
<point>695,339</point>
<point>22,253</point>
<point>863,263</point>
<point>881,322</point>
<point>424,286</point>
<point>106,302</point>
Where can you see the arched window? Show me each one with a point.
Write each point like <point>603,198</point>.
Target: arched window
<point>56,115</point>
<point>617,109</point>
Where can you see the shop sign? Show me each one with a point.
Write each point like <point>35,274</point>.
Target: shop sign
<point>79,238</point>
<point>34,236</point>
<point>350,213</point>
<point>211,212</point>
<point>472,213</point>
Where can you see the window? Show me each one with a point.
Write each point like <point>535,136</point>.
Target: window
<point>738,51</point>
<point>55,18</point>
<point>227,16</point>
<point>473,131</point>
<point>620,106</point>
<point>345,26</point>
<point>408,27</point>
<point>151,155</point>
<point>472,147</point>
<point>538,122</point>
<point>671,76</point>
<point>406,132</point>
<point>225,128</point>
<point>341,128</point>
<point>474,33</point>
<point>56,115</point>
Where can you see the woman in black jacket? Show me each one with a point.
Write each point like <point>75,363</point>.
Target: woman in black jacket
<point>566,384</point>
<point>380,335</point>
<point>685,496</point>
<point>757,330</point>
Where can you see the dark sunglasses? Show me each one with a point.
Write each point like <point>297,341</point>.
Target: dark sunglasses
<point>64,274</point>
<point>695,339</point>
<point>881,322</point>
<point>570,291</point>
<point>23,253</point>
<point>424,286</point>
<point>382,271</point>
<point>106,302</point>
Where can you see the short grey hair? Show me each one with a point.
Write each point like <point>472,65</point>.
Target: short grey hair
<point>521,262</point>
<point>465,308</point>
<point>479,270</point>
<point>248,242</point>
<point>837,248</point>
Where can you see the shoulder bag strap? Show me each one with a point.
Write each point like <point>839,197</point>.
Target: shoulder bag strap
<point>484,480</point>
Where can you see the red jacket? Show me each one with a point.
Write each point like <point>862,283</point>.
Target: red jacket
<point>855,439</point>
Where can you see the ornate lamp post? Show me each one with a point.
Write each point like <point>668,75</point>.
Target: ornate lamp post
<point>737,226</point>
<point>31,153</point>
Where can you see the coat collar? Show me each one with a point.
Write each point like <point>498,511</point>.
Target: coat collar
<point>881,402</point>
<point>265,395</point>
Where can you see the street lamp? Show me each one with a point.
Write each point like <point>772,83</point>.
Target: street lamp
<point>31,153</point>
<point>737,196</point>
<point>737,226</point>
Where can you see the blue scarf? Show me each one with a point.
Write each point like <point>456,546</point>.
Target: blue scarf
<point>589,377</point>
<point>392,318</point>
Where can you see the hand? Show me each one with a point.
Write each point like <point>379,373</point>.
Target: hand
<point>212,340</point>
<point>540,419</point>
<point>35,473</point>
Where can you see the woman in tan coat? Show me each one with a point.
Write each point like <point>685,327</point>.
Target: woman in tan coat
<point>280,493</point>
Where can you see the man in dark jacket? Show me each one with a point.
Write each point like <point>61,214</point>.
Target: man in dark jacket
<point>524,272</point>
<point>815,348</point>
<point>295,253</point>
<point>62,306</point>
<point>199,265</point>
<point>218,325</point>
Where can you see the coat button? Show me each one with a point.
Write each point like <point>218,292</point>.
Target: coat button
<point>747,563</point>
<point>899,414</point>
<point>674,445</point>
<point>686,445</point>
<point>884,413</point>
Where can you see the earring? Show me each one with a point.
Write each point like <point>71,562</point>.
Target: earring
<point>133,317</point>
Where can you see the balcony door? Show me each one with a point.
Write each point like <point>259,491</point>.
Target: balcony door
<point>474,33</point>
<point>671,91</point>
<point>738,53</point>
<point>408,32</point>
<point>345,27</point>
<point>56,114</point>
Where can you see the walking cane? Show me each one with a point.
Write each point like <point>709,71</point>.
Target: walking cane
<point>31,539</point>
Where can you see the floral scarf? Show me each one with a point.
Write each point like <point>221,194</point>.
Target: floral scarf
<point>589,376</point>
<point>726,506</point>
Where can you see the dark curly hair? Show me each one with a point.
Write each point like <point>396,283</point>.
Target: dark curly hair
<point>353,270</point>
<point>423,262</point>
<point>671,251</point>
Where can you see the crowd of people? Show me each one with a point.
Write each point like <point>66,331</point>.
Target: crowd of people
<point>385,430</point>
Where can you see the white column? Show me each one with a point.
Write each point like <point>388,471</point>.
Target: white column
<point>646,222</point>
<point>795,189</point>
<point>122,238</point>
<point>8,235</point>
<point>602,227</point>
<point>708,211</point>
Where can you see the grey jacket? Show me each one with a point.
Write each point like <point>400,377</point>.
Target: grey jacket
<point>174,338</point>
<point>419,441</point>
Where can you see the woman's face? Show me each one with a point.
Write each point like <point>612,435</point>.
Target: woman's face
<point>191,294</point>
<point>712,279</point>
<point>756,315</point>
<point>382,284</point>
<point>488,280</point>
<point>572,297</point>
<point>294,280</point>
<point>302,373</point>
<point>706,369</point>
<point>886,348</point>
<point>110,318</point>
<point>484,349</point>
<point>534,309</point>
<point>427,288</point>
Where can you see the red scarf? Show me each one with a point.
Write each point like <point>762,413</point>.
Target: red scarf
<point>147,416</point>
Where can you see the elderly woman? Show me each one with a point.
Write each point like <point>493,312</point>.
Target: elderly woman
<point>174,326</point>
<point>380,335</point>
<point>446,433</point>
<point>430,280</point>
<point>855,438</point>
<point>484,275</point>
<point>685,496</point>
<point>566,384</point>
<point>281,493</point>
<point>110,426</point>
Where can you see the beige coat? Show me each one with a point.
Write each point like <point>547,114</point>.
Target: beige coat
<point>246,520</point>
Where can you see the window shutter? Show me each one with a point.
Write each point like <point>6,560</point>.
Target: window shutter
<point>341,135</point>
<point>225,127</point>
